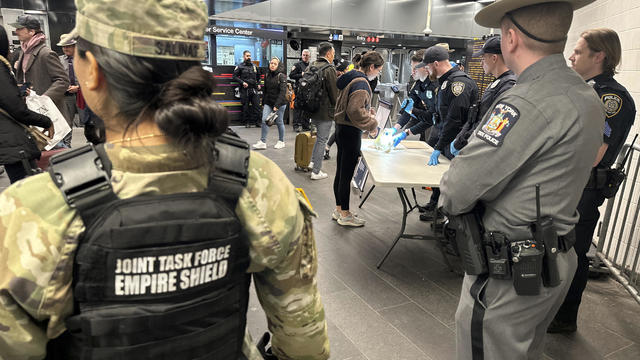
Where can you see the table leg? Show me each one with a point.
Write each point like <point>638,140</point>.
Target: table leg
<point>366,196</point>
<point>403,196</point>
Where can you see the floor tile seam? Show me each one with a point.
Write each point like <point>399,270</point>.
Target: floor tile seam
<point>378,276</point>
<point>355,344</point>
<point>395,306</point>
<point>622,348</point>
<point>420,306</point>
<point>618,334</point>
<point>457,297</point>
<point>394,327</point>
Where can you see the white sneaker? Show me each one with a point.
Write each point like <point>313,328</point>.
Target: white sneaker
<point>351,220</point>
<point>259,145</point>
<point>335,215</point>
<point>279,145</point>
<point>310,166</point>
<point>320,175</point>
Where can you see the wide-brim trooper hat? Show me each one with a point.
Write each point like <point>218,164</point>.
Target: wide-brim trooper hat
<point>446,46</point>
<point>155,29</point>
<point>492,15</point>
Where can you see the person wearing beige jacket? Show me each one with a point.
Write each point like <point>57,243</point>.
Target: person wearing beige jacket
<point>353,115</point>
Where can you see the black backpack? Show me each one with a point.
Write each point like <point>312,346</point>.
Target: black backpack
<point>311,89</point>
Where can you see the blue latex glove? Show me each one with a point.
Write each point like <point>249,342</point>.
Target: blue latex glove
<point>434,158</point>
<point>407,105</point>
<point>394,131</point>
<point>453,150</point>
<point>398,138</point>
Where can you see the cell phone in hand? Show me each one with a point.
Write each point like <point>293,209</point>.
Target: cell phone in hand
<point>23,88</point>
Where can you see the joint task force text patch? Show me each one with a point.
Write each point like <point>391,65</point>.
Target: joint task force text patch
<point>612,104</point>
<point>503,117</point>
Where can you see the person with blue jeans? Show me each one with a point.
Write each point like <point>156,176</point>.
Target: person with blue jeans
<point>274,100</point>
<point>323,118</point>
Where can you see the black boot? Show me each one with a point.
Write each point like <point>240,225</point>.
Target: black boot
<point>561,327</point>
<point>430,206</point>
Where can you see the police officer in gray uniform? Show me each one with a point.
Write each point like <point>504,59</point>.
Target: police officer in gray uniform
<point>545,131</point>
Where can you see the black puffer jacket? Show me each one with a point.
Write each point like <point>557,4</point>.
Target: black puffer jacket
<point>13,137</point>
<point>275,89</point>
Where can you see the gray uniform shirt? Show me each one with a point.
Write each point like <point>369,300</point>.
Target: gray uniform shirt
<point>546,130</point>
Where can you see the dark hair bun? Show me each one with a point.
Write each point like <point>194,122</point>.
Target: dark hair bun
<point>356,59</point>
<point>187,112</point>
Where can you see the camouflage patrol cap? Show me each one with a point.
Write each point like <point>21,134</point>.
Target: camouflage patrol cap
<point>165,29</point>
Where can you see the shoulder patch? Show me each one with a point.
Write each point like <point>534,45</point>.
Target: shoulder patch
<point>444,85</point>
<point>457,88</point>
<point>495,83</point>
<point>612,104</point>
<point>503,117</point>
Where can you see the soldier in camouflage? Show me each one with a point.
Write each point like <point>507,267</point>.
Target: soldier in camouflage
<point>39,232</point>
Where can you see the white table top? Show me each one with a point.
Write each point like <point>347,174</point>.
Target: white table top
<point>405,166</point>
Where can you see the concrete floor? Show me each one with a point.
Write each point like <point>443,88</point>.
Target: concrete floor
<point>406,309</point>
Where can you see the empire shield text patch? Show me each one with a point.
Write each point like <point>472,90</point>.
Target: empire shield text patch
<point>503,117</point>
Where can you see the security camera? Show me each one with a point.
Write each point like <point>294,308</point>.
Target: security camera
<point>427,31</point>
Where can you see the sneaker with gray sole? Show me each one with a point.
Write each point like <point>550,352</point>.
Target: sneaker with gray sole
<point>351,220</point>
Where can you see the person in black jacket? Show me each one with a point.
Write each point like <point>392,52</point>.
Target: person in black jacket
<point>456,94</point>
<point>300,119</point>
<point>419,107</point>
<point>492,64</point>
<point>248,76</point>
<point>15,142</point>
<point>273,100</point>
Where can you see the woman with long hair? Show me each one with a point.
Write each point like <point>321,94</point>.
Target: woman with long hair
<point>353,116</point>
<point>273,100</point>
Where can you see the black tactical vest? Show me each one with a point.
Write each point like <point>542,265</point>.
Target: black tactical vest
<point>156,277</point>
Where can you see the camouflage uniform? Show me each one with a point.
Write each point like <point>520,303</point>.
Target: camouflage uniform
<point>39,234</point>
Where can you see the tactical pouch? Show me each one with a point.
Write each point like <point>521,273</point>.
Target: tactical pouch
<point>497,250</point>
<point>466,233</point>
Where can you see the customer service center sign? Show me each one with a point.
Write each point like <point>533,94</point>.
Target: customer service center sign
<point>260,33</point>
